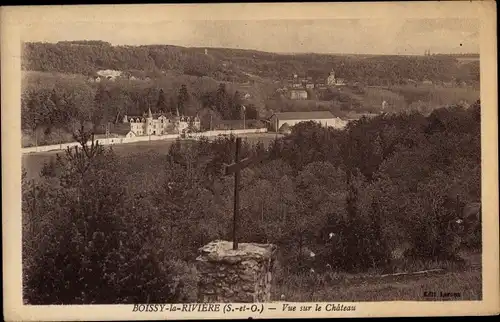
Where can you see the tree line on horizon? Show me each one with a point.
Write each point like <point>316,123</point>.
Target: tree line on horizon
<point>87,57</point>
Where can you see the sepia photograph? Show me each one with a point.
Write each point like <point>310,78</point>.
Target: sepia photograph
<point>178,162</point>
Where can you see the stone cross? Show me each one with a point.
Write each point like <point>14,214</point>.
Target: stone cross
<point>235,168</point>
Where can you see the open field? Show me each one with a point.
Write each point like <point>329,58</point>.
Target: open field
<point>33,162</point>
<point>463,284</point>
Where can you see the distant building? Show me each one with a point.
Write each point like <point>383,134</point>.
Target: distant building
<point>325,118</point>
<point>109,74</point>
<point>297,94</point>
<point>95,79</point>
<point>320,83</point>
<point>334,81</point>
<point>159,124</point>
<point>426,82</point>
<point>340,82</point>
<point>119,130</point>
<point>309,85</point>
<point>330,81</point>
<point>411,81</point>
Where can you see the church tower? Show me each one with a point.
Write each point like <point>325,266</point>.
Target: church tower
<point>331,79</point>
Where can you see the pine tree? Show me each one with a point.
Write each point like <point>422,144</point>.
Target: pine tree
<point>182,99</point>
<point>172,106</point>
<point>236,110</point>
<point>161,105</point>
<point>221,101</point>
<point>100,111</point>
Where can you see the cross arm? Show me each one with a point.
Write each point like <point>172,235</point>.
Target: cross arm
<point>244,163</point>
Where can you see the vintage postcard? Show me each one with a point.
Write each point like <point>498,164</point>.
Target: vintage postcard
<point>222,161</point>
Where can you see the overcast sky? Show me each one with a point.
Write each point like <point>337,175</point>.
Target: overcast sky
<point>357,36</point>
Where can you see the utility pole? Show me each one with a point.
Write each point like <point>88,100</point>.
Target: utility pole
<point>107,131</point>
<point>277,122</point>
<point>244,112</point>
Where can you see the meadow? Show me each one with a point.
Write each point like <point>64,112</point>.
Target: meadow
<point>33,162</point>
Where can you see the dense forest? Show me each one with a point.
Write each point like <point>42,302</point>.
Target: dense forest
<point>87,57</point>
<point>130,226</point>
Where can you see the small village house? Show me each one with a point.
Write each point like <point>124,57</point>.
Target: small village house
<point>121,130</point>
<point>297,94</point>
<point>320,83</point>
<point>340,82</point>
<point>110,74</point>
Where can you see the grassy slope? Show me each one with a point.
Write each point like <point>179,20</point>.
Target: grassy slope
<point>351,288</point>
<point>33,162</point>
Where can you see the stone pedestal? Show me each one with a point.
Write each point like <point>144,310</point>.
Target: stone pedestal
<point>237,276</point>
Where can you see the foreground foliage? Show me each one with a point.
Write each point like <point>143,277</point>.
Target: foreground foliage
<point>384,193</point>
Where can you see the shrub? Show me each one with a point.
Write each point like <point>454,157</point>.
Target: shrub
<point>95,253</point>
<point>432,228</point>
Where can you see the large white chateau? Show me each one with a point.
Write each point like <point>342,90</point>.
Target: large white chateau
<point>160,124</point>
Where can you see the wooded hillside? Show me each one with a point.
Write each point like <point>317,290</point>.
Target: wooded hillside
<point>86,57</point>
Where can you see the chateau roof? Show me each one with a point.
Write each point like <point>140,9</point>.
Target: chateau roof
<point>304,115</point>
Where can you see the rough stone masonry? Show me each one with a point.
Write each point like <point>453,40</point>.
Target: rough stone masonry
<point>235,276</point>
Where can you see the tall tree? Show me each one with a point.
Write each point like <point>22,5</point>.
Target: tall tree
<point>221,100</point>
<point>172,106</point>
<point>100,113</point>
<point>251,112</point>
<point>182,99</point>
<point>236,107</point>
<point>161,105</point>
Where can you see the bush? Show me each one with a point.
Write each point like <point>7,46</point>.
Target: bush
<point>358,234</point>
